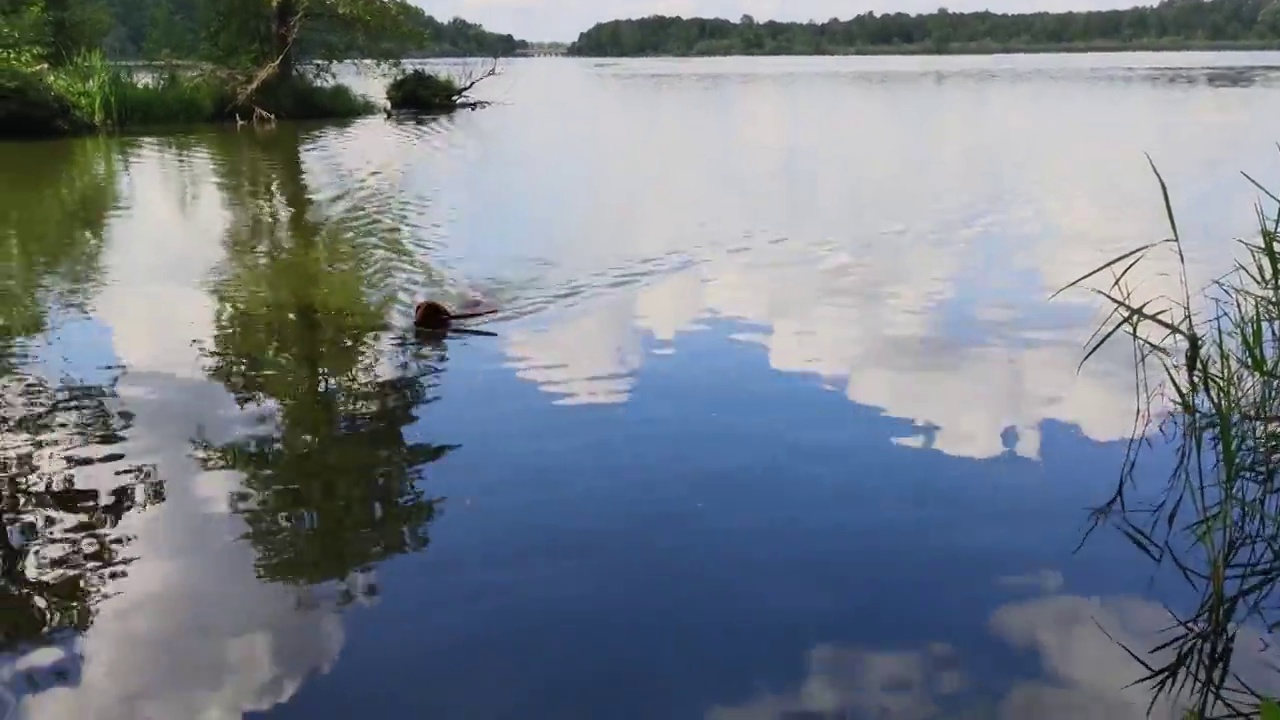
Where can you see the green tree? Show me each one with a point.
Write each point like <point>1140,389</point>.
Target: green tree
<point>1269,20</point>
<point>168,35</point>
<point>53,30</point>
<point>238,33</point>
<point>75,26</point>
<point>1171,23</point>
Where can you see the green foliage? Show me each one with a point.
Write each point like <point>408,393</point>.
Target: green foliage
<point>23,35</point>
<point>459,38</point>
<point>378,30</point>
<point>92,93</point>
<point>301,98</point>
<point>31,107</point>
<point>269,55</point>
<point>1270,710</point>
<point>1214,389</point>
<point>50,31</point>
<point>237,33</point>
<point>74,26</point>
<point>1171,24</point>
<point>422,91</point>
<point>234,33</point>
<point>168,35</point>
<point>108,96</point>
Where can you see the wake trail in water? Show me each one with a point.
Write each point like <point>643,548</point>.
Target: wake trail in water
<point>368,182</point>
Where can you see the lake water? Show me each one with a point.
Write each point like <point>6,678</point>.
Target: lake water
<point>776,416</point>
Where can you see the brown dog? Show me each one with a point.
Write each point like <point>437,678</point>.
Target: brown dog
<point>431,315</point>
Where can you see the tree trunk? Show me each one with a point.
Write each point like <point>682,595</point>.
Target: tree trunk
<point>284,23</point>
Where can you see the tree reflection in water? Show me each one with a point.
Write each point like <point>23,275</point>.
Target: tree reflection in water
<point>61,547</point>
<point>331,487</point>
<point>60,551</point>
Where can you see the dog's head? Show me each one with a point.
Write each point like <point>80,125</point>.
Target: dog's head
<point>431,315</point>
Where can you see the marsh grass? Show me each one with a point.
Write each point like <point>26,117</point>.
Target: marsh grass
<point>1208,370</point>
<point>113,97</point>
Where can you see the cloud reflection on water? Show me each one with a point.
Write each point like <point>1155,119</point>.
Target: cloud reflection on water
<point>904,259</point>
<point>195,633</point>
<point>1081,672</point>
<point>908,291</point>
<point>882,349</point>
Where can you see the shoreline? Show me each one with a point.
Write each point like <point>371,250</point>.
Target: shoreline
<point>972,49</point>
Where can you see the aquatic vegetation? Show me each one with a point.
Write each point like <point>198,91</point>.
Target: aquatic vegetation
<point>422,91</point>
<point>1208,365</point>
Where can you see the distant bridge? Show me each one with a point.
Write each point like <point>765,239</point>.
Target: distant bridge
<point>542,52</point>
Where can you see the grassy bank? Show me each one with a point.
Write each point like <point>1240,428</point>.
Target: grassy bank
<point>92,94</point>
<point>1208,362</point>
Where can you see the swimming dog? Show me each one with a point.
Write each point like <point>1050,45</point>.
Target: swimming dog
<point>431,315</point>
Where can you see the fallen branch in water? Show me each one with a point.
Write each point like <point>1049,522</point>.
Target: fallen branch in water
<point>470,84</point>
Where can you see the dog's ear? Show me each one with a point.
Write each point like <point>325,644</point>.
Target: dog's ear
<point>419,310</point>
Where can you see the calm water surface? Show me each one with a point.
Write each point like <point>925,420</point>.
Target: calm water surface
<point>776,416</point>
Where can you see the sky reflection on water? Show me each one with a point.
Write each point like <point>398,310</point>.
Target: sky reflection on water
<point>777,417</point>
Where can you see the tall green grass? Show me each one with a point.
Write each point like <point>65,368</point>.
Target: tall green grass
<point>1208,363</point>
<point>102,95</point>
<point>111,96</point>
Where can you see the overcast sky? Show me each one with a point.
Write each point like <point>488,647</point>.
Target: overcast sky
<point>564,19</point>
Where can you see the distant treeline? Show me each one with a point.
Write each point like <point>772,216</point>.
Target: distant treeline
<point>1171,24</point>
<point>174,29</point>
